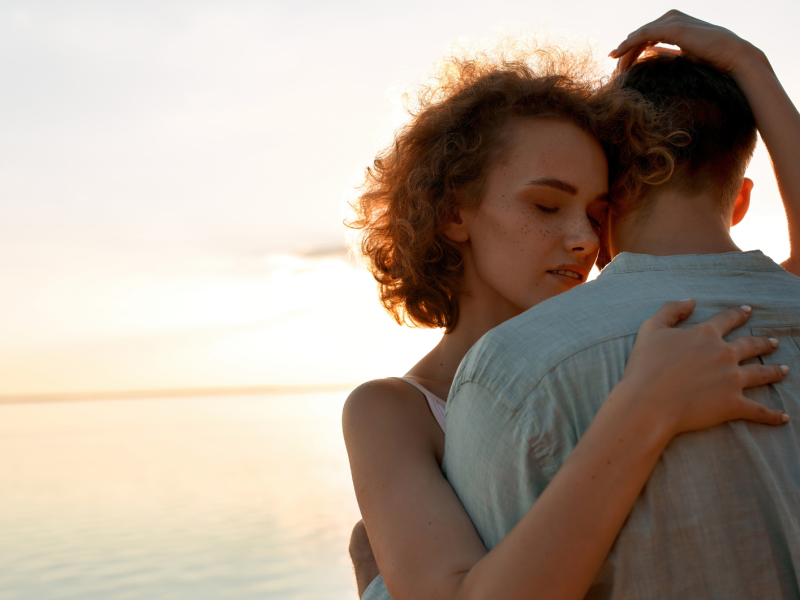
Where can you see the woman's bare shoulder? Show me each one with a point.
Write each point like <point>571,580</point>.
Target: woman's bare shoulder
<point>387,407</point>
<point>380,396</point>
<point>388,388</point>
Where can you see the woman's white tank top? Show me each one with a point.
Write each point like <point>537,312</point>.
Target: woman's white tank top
<point>436,404</point>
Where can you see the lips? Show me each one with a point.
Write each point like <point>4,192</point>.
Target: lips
<point>573,272</point>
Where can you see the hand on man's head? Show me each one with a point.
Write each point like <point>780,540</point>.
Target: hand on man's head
<point>629,58</point>
<point>697,40</point>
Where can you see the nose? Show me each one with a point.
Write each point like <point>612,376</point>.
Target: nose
<point>581,238</point>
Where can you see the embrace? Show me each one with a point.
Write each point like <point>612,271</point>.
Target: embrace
<point>634,437</point>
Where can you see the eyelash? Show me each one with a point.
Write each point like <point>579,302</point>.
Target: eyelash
<point>548,210</point>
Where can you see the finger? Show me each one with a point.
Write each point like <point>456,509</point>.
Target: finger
<point>751,410</point>
<point>669,315</point>
<point>750,347</point>
<point>626,45</point>
<point>668,18</point>
<point>649,35</point>
<point>755,375</point>
<point>727,320</point>
<point>662,50</point>
<point>627,59</point>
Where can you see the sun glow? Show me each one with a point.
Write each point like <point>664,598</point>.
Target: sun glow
<point>275,320</point>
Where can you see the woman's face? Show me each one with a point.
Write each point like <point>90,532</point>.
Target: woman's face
<point>534,233</point>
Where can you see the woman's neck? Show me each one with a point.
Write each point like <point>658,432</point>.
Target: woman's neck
<point>477,315</point>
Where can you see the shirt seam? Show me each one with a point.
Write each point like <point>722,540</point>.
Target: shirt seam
<point>623,271</point>
<point>553,367</point>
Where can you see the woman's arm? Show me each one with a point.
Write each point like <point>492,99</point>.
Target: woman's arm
<point>676,380</point>
<point>776,117</point>
<point>420,534</point>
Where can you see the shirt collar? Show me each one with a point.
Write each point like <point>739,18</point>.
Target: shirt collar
<point>627,262</point>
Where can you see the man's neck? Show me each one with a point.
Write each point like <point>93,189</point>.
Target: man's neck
<point>673,224</point>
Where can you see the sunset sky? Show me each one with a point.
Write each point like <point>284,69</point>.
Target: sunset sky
<point>173,178</point>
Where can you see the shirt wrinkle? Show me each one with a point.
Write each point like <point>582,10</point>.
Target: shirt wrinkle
<point>472,378</point>
<point>719,517</point>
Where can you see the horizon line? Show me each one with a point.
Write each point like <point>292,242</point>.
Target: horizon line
<point>173,393</point>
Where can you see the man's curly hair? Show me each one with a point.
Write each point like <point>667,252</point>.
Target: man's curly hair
<point>438,162</point>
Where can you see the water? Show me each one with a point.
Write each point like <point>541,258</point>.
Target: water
<point>196,498</point>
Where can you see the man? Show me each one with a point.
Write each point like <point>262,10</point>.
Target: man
<point>720,515</point>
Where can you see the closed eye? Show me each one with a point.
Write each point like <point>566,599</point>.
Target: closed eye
<point>601,214</point>
<point>547,209</point>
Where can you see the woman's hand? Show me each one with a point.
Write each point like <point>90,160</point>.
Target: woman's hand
<point>693,377</point>
<point>364,565</point>
<point>697,39</point>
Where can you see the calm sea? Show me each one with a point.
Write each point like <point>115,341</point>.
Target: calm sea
<point>188,498</point>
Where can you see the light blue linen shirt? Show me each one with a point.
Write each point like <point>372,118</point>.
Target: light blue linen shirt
<point>720,515</point>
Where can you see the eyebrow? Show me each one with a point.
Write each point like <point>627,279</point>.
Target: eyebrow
<point>557,184</point>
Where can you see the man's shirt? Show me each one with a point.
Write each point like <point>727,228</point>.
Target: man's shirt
<point>720,515</point>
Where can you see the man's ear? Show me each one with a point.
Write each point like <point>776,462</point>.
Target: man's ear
<point>742,201</point>
<point>457,229</point>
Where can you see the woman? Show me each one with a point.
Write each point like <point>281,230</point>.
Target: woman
<point>444,212</point>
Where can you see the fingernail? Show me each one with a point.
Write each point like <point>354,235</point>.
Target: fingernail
<point>784,369</point>
<point>746,308</point>
<point>687,299</point>
<point>773,342</point>
<point>612,54</point>
<point>784,417</point>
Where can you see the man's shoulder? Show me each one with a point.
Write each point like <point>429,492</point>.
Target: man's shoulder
<point>537,341</point>
<point>527,348</point>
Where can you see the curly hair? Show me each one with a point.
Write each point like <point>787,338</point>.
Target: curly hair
<point>709,105</point>
<point>438,162</point>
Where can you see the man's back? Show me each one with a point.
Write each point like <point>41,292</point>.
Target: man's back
<point>720,516</point>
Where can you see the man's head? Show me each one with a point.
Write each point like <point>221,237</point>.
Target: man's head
<point>711,108</point>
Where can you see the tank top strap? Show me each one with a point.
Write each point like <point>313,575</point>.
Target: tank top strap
<point>436,404</point>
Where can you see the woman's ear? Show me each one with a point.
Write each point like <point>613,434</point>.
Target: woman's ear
<point>457,229</point>
<point>742,202</point>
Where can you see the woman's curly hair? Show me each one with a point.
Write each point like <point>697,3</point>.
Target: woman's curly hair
<point>438,162</point>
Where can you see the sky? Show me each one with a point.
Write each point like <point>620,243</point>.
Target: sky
<point>174,175</point>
